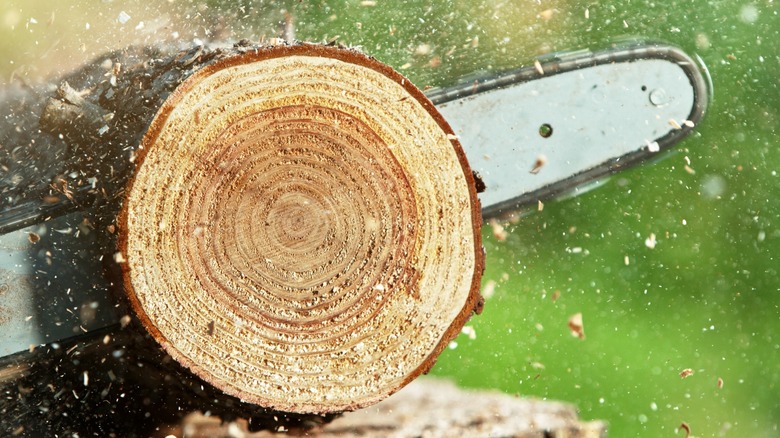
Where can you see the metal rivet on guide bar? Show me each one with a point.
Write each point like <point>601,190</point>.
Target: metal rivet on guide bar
<point>658,97</point>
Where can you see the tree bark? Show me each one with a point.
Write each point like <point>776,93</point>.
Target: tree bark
<point>298,228</point>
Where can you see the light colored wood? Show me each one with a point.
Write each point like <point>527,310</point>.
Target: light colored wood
<point>302,230</point>
<point>430,408</point>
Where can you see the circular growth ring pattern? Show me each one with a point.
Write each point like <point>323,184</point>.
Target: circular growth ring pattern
<point>302,230</point>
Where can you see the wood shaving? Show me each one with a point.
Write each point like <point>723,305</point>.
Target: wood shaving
<point>684,426</point>
<point>499,232</point>
<point>653,147</point>
<point>538,67</point>
<point>541,160</point>
<point>469,331</point>
<point>422,49</point>
<point>576,326</point>
<point>489,289</point>
<point>686,373</point>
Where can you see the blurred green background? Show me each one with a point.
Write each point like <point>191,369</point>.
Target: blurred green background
<point>707,297</point>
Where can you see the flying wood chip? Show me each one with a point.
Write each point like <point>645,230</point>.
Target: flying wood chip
<point>302,230</point>
<point>576,326</point>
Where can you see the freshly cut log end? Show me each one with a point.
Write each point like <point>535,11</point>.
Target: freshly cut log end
<point>302,230</point>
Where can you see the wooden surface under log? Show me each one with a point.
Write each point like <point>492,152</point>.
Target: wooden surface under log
<point>429,408</point>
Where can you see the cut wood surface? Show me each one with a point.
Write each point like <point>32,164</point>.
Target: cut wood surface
<point>430,408</point>
<point>302,230</point>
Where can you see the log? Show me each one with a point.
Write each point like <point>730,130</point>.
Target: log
<point>293,232</point>
<point>302,229</point>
